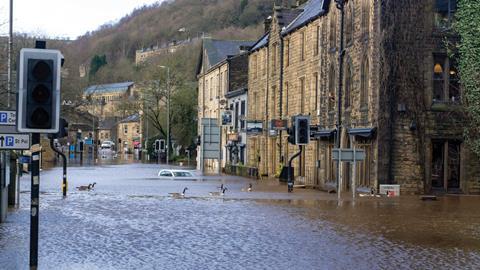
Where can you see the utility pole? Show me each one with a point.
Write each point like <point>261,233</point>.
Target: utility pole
<point>341,53</point>
<point>168,112</point>
<point>10,48</point>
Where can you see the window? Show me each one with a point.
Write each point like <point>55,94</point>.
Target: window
<point>349,24</point>
<point>265,62</point>
<point>302,94</point>
<point>317,40</point>
<point>302,46</point>
<point>206,88</point>
<point>274,102</point>
<point>445,165</point>
<point>364,83</point>
<point>348,84</point>
<point>331,88</point>
<point>444,13</point>
<point>287,53</point>
<point>333,30</point>
<point>211,88</point>
<point>221,84</point>
<point>236,115</point>
<point>256,66</point>
<point>315,87</point>
<point>446,85</point>
<point>286,98</point>
<point>366,17</point>
<point>274,58</point>
<point>242,113</point>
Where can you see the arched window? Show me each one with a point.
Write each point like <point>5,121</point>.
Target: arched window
<point>364,83</point>
<point>331,88</point>
<point>366,17</point>
<point>348,84</point>
<point>333,30</point>
<point>349,23</point>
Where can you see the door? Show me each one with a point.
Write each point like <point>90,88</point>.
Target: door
<point>445,165</point>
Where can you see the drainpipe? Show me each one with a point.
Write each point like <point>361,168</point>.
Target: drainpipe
<point>281,92</point>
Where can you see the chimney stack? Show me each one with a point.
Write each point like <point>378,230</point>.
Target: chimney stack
<point>267,23</point>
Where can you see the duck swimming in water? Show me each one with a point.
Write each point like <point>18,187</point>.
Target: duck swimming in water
<point>86,188</point>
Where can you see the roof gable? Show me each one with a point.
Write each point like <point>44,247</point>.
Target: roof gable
<point>311,10</point>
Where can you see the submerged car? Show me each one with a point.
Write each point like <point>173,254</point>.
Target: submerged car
<point>176,174</point>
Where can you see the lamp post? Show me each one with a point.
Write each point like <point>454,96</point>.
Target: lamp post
<point>341,53</point>
<point>168,111</point>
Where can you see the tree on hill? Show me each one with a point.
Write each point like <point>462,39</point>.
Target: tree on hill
<point>97,62</point>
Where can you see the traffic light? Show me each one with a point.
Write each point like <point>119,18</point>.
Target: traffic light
<point>162,145</point>
<point>302,132</point>
<point>157,145</point>
<point>39,91</point>
<point>291,134</point>
<point>63,130</point>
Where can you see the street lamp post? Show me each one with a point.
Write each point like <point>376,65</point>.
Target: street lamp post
<point>341,6</point>
<point>168,112</point>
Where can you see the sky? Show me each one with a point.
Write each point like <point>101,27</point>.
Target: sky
<point>64,18</point>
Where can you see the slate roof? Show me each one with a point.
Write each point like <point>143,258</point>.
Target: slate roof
<point>131,119</point>
<point>108,88</point>
<point>311,10</point>
<point>262,42</point>
<point>286,16</point>
<point>219,50</point>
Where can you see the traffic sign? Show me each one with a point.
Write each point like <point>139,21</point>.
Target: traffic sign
<point>14,141</point>
<point>349,155</point>
<point>8,118</point>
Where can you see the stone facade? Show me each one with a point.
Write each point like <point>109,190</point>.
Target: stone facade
<point>222,69</point>
<point>400,101</point>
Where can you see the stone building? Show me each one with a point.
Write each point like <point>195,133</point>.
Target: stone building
<point>401,99</point>
<point>129,134</point>
<point>104,100</point>
<point>217,77</point>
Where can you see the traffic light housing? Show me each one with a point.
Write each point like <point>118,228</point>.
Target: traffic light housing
<point>162,145</point>
<point>291,134</point>
<point>157,145</point>
<point>38,108</point>
<point>62,132</point>
<point>302,130</point>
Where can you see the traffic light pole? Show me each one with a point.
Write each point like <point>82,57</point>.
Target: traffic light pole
<point>64,181</point>
<point>35,200</point>
<point>290,176</point>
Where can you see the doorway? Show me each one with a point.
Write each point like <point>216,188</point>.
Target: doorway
<point>445,165</point>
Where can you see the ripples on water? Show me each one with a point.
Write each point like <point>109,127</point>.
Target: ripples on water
<point>107,230</point>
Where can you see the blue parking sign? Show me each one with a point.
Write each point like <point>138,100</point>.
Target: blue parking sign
<point>3,117</point>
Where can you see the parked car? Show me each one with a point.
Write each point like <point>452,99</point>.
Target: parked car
<point>176,174</point>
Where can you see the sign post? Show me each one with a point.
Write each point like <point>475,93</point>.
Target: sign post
<point>348,155</point>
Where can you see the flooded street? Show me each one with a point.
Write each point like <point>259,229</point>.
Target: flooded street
<point>129,221</point>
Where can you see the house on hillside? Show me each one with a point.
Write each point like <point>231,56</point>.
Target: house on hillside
<point>129,135</point>
<point>401,100</point>
<point>221,71</point>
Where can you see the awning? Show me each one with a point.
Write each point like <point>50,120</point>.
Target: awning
<point>323,134</point>
<point>362,132</point>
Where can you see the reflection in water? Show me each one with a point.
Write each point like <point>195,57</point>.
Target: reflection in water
<point>133,224</point>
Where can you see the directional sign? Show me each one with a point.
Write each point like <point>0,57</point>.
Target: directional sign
<point>8,118</point>
<point>14,141</point>
<point>349,155</point>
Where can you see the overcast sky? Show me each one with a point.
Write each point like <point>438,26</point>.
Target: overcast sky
<point>64,18</point>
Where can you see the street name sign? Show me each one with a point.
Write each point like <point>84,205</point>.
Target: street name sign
<point>8,118</point>
<point>349,155</point>
<point>14,141</point>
